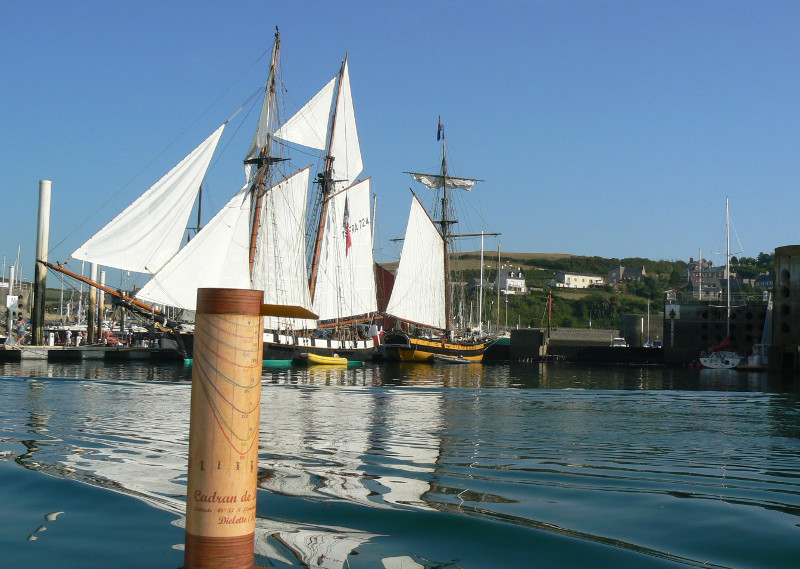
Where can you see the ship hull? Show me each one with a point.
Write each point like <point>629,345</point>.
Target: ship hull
<point>289,347</point>
<point>404,348</point>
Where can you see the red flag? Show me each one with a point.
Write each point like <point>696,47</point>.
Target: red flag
<point>346,224</point>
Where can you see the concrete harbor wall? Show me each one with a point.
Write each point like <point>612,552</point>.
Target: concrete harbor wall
<point>691,327</point>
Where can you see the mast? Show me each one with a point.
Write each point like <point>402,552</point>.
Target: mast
<point>263,161</point>
<point>728,259</point>
<point>445,224</point>
<point>326,181</point>
<point>443,182</point>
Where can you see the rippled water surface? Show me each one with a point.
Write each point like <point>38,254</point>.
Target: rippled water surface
<point>506,465</point>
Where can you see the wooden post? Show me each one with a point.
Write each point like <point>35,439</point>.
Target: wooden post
<point>223,431</point>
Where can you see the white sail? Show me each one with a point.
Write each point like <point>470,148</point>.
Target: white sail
<point>149,231</point>
<point>280,264</point>
<point>436,181</point>
<point>309,125</point>
<point>345,284</point>
<point>345,147</point>
<point>418,292</point>
<point>218,256</point>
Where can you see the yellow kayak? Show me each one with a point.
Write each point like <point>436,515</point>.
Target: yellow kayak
<point>315,359</point>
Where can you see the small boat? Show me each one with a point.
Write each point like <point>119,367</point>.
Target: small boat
<point>440,358</point>
<point>723,359</point>
<point>316,359</point>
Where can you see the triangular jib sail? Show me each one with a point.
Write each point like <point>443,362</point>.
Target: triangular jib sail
<point>418,294</point>
<point>149,232</point>
<point>218,256</point>
<point>313,126</point>
<point>345,147</point>
<point>309,125</point>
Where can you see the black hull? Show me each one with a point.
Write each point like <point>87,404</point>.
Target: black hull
<point>401,347</point>
<point>273,351</point>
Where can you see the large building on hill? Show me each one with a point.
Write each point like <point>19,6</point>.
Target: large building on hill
<point>564,279</point>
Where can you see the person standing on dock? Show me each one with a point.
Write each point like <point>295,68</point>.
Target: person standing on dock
<point>21,331</point>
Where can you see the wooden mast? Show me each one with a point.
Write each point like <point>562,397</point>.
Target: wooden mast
<point>445,225</point>
<point>325,180</point>
<point>264,160</point>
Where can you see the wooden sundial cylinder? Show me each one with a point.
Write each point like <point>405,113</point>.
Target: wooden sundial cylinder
<point>223,431</point>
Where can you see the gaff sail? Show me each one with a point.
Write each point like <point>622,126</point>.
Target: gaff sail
<point>346,282</point>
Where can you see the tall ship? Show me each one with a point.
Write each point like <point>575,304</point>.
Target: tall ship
<point>314,264</point>
<point>421,301</point>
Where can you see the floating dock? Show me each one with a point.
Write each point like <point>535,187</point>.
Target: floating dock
<point>75,354</point>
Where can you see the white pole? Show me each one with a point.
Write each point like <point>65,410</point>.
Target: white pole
<point>40,271</point>
<point>728,258</point>
<point>19,268</point>
<point>642,333</point>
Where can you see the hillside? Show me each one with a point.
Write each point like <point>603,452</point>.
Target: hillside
<point>603,306</point>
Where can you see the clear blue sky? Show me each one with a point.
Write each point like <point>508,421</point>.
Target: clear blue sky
<point>611,128</point>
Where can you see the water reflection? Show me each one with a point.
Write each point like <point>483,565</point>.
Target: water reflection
<point>520,375</point>
<point>95,369</point>
<point>381,460</point>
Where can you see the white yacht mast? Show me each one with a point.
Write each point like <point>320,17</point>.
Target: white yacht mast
<point>728,259</point>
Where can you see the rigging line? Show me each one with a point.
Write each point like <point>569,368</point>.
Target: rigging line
<point>741,249</point>
<point>168,146</point>
<point>297,149</point>
<point>251,100</point>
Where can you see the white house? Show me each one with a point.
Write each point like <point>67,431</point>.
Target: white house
<point>576,280</point>
<point>512,281</point>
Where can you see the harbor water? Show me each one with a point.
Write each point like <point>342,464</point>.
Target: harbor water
<point>415,466</point>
